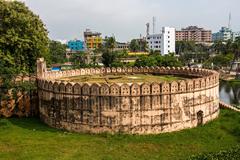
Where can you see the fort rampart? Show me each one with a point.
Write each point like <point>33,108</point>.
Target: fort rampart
<point>132,108</point>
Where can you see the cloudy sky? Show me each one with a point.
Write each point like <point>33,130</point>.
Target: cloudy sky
<point>126,19</point>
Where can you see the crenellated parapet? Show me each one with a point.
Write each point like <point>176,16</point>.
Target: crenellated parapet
<point>191,72</point>
<point>203,79</point>
<point>133,108</point>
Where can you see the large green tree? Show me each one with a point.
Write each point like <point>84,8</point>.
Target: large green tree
<point>57,52</point>
<point>23,38</point>
<point>110,43</point>
<point>109,56</point>
<point>134,46</point>
<point>138,45</point>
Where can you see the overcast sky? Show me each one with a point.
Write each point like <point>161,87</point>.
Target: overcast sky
<point>126,19</point>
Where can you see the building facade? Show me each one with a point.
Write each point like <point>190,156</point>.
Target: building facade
<point>93,40</point>
<point>236,35</point>
<point>224,34</point>
<point>128,108</point>
<point>120,46</point>
<point>76,45</point>
<point>163,42</point>
<point>195,34</point>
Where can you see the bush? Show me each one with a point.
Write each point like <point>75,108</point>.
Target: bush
<point>231,154</point>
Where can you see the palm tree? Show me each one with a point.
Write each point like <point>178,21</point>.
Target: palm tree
<point>110,43</point>
<point>219,47</point>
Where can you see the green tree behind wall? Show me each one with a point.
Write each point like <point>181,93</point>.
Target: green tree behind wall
<point>23,38</point>
<point>57,52</point>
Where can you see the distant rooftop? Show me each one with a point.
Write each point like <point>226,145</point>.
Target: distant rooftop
<point>88,32</point>
<point>192,28</point>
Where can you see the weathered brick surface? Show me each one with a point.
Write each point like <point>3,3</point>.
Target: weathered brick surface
<point>133,108</point>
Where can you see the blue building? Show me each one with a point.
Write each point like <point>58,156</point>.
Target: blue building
<point>76,45</point>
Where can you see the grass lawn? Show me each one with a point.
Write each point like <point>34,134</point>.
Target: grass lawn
<point>135,78</point>
<point>28,139</point>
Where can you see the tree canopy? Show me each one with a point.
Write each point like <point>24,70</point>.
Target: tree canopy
<point>109,56</point>
<point>57,52</point>
<point>138,45</point>
<point>158,60</point>
<point>23,38</point>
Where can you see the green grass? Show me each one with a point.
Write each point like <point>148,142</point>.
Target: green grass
<point>27,139</point>
<point>135,78</point>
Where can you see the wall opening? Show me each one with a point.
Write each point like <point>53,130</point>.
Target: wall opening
<point>200,118</point>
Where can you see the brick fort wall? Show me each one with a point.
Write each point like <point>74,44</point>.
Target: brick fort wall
<point>132,108</point>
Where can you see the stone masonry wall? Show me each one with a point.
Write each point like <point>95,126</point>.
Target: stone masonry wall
<point>132,108</point>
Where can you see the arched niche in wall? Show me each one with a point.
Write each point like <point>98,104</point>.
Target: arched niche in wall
<point>145,89</point>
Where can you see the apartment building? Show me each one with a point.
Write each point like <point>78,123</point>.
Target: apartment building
<point>93,40</point>
<point>76,45</point>
<point>225,34</point>
<point>163,42</point>
<point>195,34</point>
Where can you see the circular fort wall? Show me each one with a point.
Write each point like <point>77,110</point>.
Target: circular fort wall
<point>132,108</point>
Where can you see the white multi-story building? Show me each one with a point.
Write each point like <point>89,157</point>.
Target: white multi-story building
<point>225,34</point>
<point>163,42</point>
<point>236,35</point>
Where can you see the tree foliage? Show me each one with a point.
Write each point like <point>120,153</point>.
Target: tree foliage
<point>183,47</point>
<point>78,59</point>
<point>231,154</point>
<point>138,45</point>
<point>219,61</point>
<point>158,60</point>
<point>110,58</point>
<point>23,38</point>
<point>110,43</point>
<point>57,52</point>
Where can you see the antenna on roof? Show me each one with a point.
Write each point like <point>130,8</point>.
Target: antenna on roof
<point>229,20</point>
<point>154,23</point>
